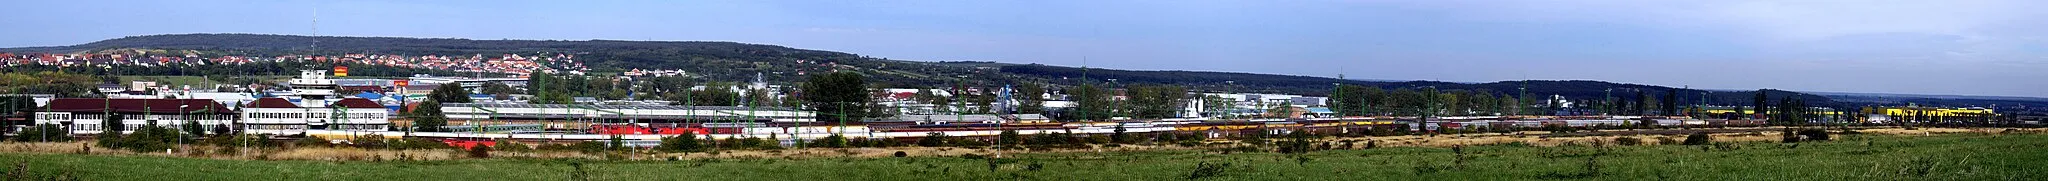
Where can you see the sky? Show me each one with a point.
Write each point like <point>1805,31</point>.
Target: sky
<point>1961,47</point>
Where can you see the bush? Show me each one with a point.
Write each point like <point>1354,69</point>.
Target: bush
<point>589,147</point>
<point>1298,142</point>
<point>149,138</point>
<point>193,128</point>
<point>238,140</point>
<point>1698,138</point>
<point>416,143</point>
<point>311,142</point>
<point>512,146</point>
<point>934,139</point>
<point>901,154</point>
<point>834,141</point>
<point>1814,134</point>
<point>1206,170</point>
<point>480,151</point>
<point>1009,138</point>
<point>680,143</point>
<point>964,142</point>
<point>1628,141</point>
<point>44,133</point>
<point>1789,136</point>
<point>752,143</point>
<point>1666,140</point>
<point>369,142</point>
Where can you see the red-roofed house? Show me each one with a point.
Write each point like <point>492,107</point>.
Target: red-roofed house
<point>86,116</point>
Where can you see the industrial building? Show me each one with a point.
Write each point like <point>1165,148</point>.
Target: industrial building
<point>277,116</point>
<point>85,116</point>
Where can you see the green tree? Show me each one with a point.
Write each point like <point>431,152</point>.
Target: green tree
<point>112,124</point>
<point>1091,103</point>
<point>1670,102</point>
<point>838,96</point>
<point>715,94</point>
<point>499,89</point>
<point>1758,102</point>
<point>427,117</point>
<point>450,93</point>
<point>193,128</point>
<point>1030,99</point>
<point>1348,100</point>
<point>1148,102</point>
<point>1009,138</point>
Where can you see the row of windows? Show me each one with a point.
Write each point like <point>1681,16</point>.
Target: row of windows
<point>173,117</point>
<point>288,115</point>
<point>277,126</point>
<point>133,127</point>
<point>278,115</point>
<point>360,127</point>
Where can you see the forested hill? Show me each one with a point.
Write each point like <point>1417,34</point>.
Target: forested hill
<point>730,61</point>
<point>1320,86</point>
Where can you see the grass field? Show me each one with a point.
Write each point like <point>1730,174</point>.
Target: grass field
<point>1849,157</point>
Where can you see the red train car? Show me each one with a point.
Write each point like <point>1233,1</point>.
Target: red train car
<point>467,143</point>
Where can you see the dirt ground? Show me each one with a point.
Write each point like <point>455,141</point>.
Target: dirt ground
<point>1537,138</point>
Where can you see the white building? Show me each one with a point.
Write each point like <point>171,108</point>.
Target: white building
<point>83,116</point>
<point>277,116</point>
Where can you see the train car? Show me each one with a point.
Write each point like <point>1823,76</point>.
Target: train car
<point>466,143</point>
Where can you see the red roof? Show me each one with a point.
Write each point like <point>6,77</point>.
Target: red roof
<point>271,102</point>
<point>158,106</point>
<point>357,103</point>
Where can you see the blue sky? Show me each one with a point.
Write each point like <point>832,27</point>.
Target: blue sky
<point>1967,47</point>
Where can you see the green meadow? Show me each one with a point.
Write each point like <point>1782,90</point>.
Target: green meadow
<point>1848,157</point>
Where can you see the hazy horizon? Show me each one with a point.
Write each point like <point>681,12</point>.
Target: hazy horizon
<point>1982,48</point>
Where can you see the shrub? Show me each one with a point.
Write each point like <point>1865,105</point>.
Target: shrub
<point>1009,138</point>
<point>1628,141</point>
<point>1789,136</point>
<point>44,133</point>
<point>512,146</point>
<point>933,139</point>
<point>1298,142</point>
<point>193,128</point>
<point>680,143</point>
<point>369,142</point>
<point>1206,170</point>
<point>1698,138</point>
<point>1666,140</point>
<point>589,147</point>
<point>260,141</point>
<point>149,138</point>
<point>416,143</point>
<point>901,154</point>
<point>480,151</point>
<point>1814,134</point>
<point>964,142</point>
<point>834,141</point>
<point>311,142</point>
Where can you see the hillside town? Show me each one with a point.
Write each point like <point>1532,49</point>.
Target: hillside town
<point>515,64</point>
